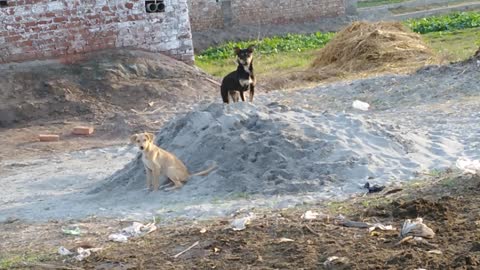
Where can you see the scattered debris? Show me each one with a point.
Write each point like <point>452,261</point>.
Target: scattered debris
<point>81,253</point>
<point>118,237</point>
<point>310,215</point>
<point>381,227</point>
<point>467,165</point>
<point>283,240</point>
<point>239,224</point>
<point>374,188</point>
<point>341,220</point>
<point>203,230</point>
<point>190,247</point>
<point>311,230</point>
<point>48,138</point>
<point>64,251</point>
<point>137,229</point>
<point>416,229</point>
<point>335,262</point>
<point>72,230</point>
<point>435,251</point>
<point>360,105</point>
<point>417,240</point>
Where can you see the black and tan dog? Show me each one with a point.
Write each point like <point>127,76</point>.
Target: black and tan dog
<point>240,80</point>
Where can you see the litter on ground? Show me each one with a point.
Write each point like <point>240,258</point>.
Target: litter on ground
<point>467,165</point>
<point>137,229</point>
<point>416,228</point>
<point>239,224</point>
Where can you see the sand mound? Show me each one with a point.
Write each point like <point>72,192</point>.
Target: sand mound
<point>371,47</point>
<point>271,150</point>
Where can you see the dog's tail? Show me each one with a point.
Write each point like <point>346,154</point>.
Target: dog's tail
<point>205,172</point>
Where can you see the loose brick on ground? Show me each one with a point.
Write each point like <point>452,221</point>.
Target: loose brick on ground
<point>48,137</point>
<point>81,130</point>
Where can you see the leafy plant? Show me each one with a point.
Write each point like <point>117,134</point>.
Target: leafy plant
<point>273,45</point>
<point>453,21</point>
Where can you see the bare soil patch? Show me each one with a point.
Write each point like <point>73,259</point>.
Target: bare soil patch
<point>451,211</point>
<point>116,91</point>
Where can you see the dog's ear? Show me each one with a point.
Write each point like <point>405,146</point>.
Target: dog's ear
<point>251,48</point>
<point>133,138</point>
<point>236,50</point>
<point>150,136</point>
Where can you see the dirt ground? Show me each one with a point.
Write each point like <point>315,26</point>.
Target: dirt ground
<point>449,204</point>
<point>116,91</point>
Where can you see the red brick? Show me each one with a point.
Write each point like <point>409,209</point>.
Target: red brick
<point>82,130</point>
<point>27,43</point>
<point>12,38</point>
<point>129,5</point>
<point>60,19</point>
<point>48,138</point>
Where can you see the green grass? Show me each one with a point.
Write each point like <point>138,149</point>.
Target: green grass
<point>373,3</point>
<point>264,64</point>
<point>448,22</point>
<point>271,45</point>
<point>11,261</point>
<point>455,45</point>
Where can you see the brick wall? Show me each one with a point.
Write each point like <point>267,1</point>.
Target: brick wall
<point>209,14</point>
<point>38,29</point>
<point>205,14</point>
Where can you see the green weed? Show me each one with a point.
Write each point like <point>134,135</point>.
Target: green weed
<point>273,45</point>
<point>448,22</point>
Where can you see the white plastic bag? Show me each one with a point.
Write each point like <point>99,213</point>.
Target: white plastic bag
<point>360,105</point>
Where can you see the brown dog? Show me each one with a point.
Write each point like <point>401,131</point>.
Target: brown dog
<point>160,163</point>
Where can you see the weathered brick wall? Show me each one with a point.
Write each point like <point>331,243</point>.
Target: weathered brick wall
<point>37,29</point>
<point>209,14</point>
<point>205,14</point>
<point>284,11</point>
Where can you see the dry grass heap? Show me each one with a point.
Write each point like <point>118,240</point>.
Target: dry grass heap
<point>365,48</point>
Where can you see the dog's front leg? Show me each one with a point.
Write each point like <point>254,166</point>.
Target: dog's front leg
<point>242,95</point>
<point>149,177</point>
<point>252,90</point>
<point>156,178</point>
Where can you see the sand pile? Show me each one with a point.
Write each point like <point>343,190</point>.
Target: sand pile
<point>273,149</point>
<point>371,47</point>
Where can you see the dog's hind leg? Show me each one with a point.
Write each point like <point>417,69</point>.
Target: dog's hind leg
<point>176,176</point>
<point>224,94</point>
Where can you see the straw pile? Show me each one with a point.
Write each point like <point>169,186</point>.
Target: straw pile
<point>371,47</point>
